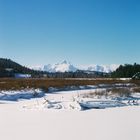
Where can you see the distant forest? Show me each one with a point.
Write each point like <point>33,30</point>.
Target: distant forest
<point>9,68</point>
<point>126,71</point>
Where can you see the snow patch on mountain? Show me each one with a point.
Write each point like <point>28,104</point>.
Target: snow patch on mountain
<point>39,68</point>
<point>101,68</point>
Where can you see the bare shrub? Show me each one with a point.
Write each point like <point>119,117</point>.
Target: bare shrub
<point>120,91</point>
<point>110,92</point>
<point>136,89</point>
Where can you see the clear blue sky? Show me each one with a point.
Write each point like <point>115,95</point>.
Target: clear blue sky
<point>83,32</point>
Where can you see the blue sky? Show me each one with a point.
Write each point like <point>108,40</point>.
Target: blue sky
<point>37,32</point>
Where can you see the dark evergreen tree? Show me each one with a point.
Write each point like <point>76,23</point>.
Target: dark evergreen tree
<point>126,71</point>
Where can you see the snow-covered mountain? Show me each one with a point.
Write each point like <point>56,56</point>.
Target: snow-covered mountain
<point>68,67</point>
<point>102,68</point>
<point>60,67</point>
<point>36,68</point>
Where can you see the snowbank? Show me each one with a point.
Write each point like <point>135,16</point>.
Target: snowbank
<point>109,124</point>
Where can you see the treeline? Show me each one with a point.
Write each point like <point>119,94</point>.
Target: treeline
<point>126,71</point>
<point>8,68</point>
<point>78,74</point>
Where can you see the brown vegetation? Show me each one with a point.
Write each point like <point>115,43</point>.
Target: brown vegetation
<point>15,84</point>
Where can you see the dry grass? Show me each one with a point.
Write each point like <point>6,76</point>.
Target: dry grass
<point>120,91</point>
<point>15,84</point>
<point>136,89</point>
<point>112,92</point>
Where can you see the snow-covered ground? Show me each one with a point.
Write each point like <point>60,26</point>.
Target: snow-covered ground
<point>110,124</point>
<point>58,116</point>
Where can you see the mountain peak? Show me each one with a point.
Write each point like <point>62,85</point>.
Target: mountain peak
<point>64,62</point>
<point>60,67</point>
